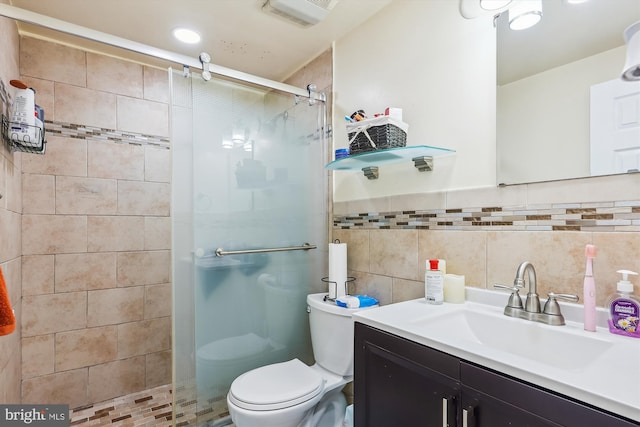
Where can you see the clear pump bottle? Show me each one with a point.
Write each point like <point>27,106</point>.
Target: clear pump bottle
<point>434,283</point>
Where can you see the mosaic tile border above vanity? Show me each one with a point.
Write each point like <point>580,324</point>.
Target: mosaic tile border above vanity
<point>71,130</point>
<point>604,216</point>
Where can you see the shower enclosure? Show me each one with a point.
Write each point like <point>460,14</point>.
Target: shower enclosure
<point>250,226</point>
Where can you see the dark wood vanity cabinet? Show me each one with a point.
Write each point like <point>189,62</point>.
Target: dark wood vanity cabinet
<point>399,383</point>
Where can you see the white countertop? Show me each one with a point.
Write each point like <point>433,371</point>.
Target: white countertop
<point>611,380</point>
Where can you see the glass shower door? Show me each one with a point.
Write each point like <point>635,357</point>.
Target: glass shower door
<point>248,174</point>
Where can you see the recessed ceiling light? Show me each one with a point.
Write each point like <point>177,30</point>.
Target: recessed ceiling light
<point>186,36</point>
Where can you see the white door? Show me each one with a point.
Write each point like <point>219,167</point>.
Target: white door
<point>615,127</point>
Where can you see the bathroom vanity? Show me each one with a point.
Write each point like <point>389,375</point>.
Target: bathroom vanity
<point>425,365</point>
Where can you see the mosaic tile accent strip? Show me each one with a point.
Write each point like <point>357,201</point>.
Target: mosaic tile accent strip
<point>146,408</point>
<point>601,217</point>
<point>90,133</point>
<point>202,411</point>
<point>150,408</point>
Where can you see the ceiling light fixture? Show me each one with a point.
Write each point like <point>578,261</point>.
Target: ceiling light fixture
<point>186,35</point>
<point>631,70</point>
<point>470,9</point>
<point>493,4</point>
<point>524,14</point>
<point>576,1</point>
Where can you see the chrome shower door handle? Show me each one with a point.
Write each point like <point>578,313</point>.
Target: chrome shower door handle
<point>304,247</point>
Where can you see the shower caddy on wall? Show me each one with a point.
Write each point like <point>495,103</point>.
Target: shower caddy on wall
<point>35,145</point>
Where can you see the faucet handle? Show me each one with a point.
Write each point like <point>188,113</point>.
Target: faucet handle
<point>552,307</point>
<point>514,300</point>
<point>514,288</point>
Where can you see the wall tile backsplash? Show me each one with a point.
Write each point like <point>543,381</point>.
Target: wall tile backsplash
<point>389,239</point>
<point>606,216</point>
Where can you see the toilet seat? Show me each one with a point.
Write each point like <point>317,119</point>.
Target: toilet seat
<point>276,386</point>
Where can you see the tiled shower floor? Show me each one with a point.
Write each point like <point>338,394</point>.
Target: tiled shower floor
<point>152,407</point>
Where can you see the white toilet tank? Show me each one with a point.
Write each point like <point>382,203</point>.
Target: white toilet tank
<point>332,334</point>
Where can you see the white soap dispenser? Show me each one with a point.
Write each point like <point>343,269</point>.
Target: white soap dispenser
<point>624,308</point>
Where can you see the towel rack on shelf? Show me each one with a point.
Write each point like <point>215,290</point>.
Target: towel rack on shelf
<point>305,247</point>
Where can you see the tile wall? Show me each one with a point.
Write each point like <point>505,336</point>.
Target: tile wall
<point>389,239</point>
<point>10,214</point>
<point>96,231</point>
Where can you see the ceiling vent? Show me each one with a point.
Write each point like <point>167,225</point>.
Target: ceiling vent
<point>302,12</point>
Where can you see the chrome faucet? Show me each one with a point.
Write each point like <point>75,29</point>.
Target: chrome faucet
<point>532,304</point>
<point>550,315</point>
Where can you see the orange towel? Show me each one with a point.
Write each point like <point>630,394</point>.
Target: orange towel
<point>7,319</point>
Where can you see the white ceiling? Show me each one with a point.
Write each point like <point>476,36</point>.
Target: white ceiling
<point>236,33</point>
<point>239,35</point>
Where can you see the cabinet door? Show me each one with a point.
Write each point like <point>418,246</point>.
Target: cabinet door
<point>490,399</point>
<point>401,383</point>
<point>481,410</point>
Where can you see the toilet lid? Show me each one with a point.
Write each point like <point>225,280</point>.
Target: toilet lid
<point>276,386</point>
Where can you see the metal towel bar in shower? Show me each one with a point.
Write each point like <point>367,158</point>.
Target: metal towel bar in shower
<point>305,247</point>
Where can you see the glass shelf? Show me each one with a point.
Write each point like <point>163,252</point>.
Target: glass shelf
<point>386,157</point>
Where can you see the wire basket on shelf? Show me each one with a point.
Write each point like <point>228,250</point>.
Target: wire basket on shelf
<point>23,137</point>
<point>379,133</point>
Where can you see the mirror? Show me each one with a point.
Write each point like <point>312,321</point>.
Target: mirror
<point>544,79</point>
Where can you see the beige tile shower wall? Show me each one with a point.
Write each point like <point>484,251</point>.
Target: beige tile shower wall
<point>10,230</point>
<point>390,263</point>
<point>95,232</point>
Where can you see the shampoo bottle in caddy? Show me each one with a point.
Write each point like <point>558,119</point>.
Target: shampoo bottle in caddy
<point>434,283</point>
<point>23,115</point>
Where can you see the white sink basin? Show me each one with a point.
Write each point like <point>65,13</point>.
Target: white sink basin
<point>599,368</point>
<point>557,346</point>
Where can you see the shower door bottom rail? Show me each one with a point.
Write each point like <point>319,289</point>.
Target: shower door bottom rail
<point>221,252</point>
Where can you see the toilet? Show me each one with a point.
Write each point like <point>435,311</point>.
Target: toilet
<point>293,394</point>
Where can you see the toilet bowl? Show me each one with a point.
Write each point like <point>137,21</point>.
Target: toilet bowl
<point>293,394</point>
<point>219,362</point>
<point>287,394</point>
